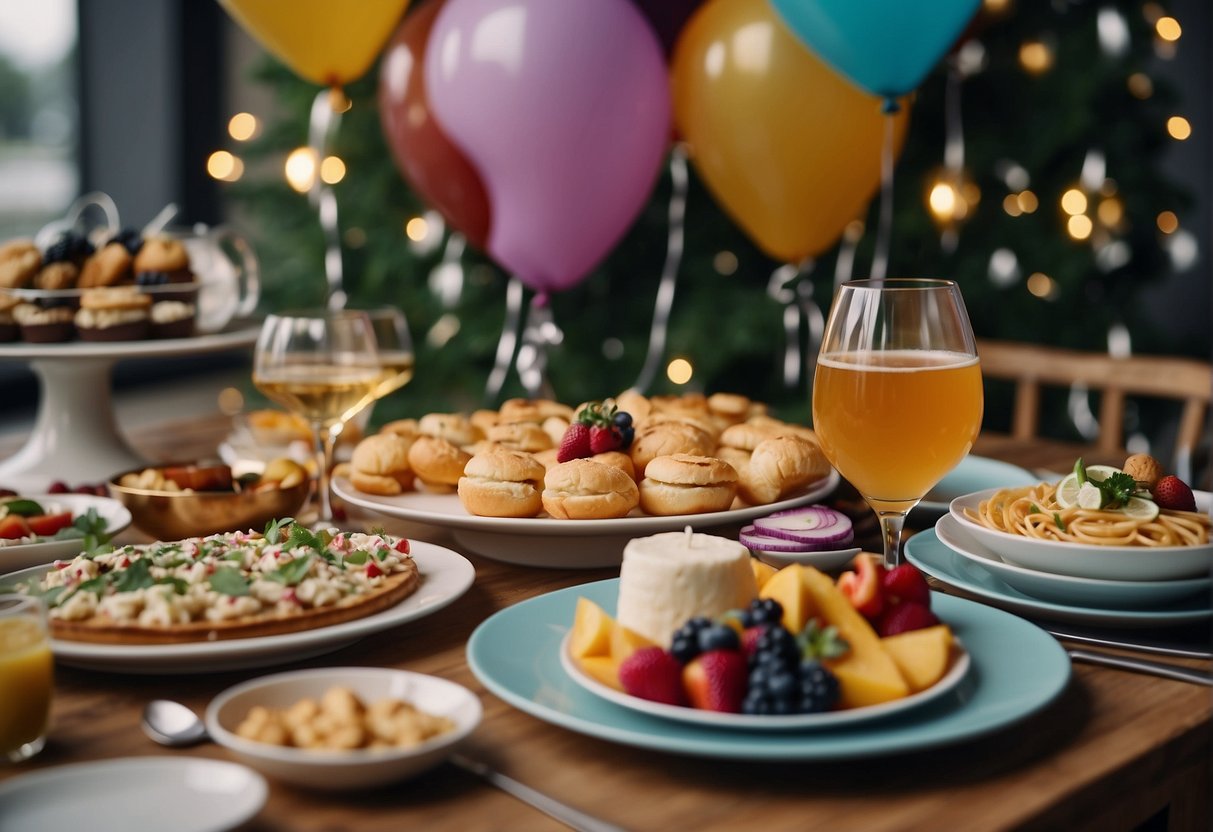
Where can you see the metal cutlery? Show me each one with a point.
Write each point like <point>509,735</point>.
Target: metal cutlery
<point>1167,671</point>
<point>1140,647</point>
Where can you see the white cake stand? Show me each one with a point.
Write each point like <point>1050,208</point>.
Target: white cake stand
<point>75,436</point>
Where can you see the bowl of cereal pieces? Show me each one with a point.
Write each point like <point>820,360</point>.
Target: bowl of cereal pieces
<point>174,502</point>
<point>343,728</point>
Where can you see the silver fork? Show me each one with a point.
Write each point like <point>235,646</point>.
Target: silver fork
<point>1167,671</point>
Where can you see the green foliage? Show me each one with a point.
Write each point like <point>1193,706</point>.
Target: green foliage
<point>726,324</point>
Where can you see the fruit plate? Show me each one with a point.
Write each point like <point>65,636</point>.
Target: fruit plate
<point>1064,589</point>
<point>1017,669</point>
<point>16,556</point>
<point>1112,563</point>
<point>793,722</point>
<point>925,551</point>
<point>972,474</point>
<point>543,541</point>
<point>445,575</point>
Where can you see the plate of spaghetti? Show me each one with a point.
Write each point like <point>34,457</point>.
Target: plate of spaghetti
<point>1028,527</point>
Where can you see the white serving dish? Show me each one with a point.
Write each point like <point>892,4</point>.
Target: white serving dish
<point>1112,563</point>
<point>1066,589</point>
<point>343,770</point>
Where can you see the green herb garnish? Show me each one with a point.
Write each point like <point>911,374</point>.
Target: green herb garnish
<point>229,582</point>
<point>273,529</point>
<point>1114,492</point>
<point>292,572</point>
<point>136,576</point>
<point>357,558</point>
<point>24,507</point>
<point>1058,521</point>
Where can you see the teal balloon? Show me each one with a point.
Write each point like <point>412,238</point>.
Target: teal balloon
<point>885,46</point>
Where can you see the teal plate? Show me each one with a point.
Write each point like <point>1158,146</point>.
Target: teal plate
<point>973,473</point>
<point>926,551</point>
<point>1017,670</point>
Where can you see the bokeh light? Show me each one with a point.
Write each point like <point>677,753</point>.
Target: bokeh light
<point>332,170</point>
<point>242,126</point>
<point>1035,57</point>
<point>416,229</point>
<point>1167,222</point>
<point>679,371</point>
<point>1179,128</point>
<point>300,169</point>
<point>1080,226</point>
<point>223,165</point>
<point>1074,202</point>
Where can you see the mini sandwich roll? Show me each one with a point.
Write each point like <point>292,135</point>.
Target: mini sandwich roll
<point>501,482</point>
<point>483,419</point>
<point>521,436</point>
<point>729,408</point>
<point>687,484</point>
<point>532,410</point>
<point>665,438</point>
<point>380,465</point>
<point>617,459</point>
<point>437,463</point>
<point>582,489</point>
<point>779,466</point>
<point>634,403</point>
<point>453,427</point>
<point>402,427</point>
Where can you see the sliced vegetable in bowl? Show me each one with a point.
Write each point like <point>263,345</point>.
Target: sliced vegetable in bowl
<point>810,528</point>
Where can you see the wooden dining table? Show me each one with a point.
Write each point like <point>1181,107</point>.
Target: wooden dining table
<point>1117,750</point>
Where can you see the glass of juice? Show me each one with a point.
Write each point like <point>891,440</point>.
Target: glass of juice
<point>897,397</point>
<point>26,677</point>
<point>324,366</point>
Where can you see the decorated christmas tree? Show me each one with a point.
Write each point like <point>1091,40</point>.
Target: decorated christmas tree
<point>1031,174</point>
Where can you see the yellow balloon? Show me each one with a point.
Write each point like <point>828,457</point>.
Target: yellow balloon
<point>788,147</point>
<point>326,41</point>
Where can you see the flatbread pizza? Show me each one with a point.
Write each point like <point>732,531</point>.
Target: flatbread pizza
<point>226,586</point>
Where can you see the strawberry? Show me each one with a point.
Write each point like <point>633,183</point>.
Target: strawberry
<point>603,439</point>
<point>905,583</point>
<point>1172,493</point>
<point>716,681</point>
<point>863,588</point>
<point>652,673</point>
<point>575,444</point>
<point>906,616</point>
<point>749,639</point>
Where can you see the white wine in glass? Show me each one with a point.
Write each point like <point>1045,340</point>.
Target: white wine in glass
<point>897,396</point>
<point>395,345</point>
<point>323,366</point>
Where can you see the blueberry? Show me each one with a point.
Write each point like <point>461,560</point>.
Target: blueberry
<point>151,278</point>
<point>718,637</point>
<point>131,240</point>
<point>684,644</point>
<point>763,611</point>
<point>623,419</point>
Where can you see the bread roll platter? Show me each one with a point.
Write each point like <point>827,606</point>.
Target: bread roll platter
<point>514,485</point>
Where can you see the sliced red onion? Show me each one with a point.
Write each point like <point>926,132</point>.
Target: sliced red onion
<point>753,539</point>
<point>819,526</point>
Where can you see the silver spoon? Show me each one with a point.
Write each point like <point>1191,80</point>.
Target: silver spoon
<point>170,723</point>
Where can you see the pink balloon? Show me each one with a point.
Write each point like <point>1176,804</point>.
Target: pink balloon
<point>563,107</point>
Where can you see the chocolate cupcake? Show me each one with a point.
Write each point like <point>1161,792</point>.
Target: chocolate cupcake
<point>173,319</point>
<point>44,326</point>
<point>113,314</point>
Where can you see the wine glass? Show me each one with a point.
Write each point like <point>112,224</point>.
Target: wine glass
<point>323,365</point>
<point>897,397</point>
<point>395,345</point>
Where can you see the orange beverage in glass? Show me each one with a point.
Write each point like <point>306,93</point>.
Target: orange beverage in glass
<point>895,422</point>
<point>26,677</point>
<point>897,398</point>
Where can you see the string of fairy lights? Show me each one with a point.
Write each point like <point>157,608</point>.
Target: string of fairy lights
<point>1091,211</point>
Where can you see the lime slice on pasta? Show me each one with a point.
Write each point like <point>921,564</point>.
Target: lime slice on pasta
<point>1140,508</point>
<point>1067,489</point>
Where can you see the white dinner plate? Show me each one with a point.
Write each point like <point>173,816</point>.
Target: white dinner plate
<point>543,541</point>
<point>973,473</point>
<point>925,551</point>
<point>133,794</point>
<point>1111,563</point>
<point>750,722</point>
<point>1064,589</point>
<point>445,575</point>
<point>25,555</point>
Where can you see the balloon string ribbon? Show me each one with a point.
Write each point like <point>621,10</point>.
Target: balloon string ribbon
<point>507,343</point>
<point>538,336</point>
<point>327,108</point>
<point>884,233</point>
<point>669,272</point>
<point>790,285</point>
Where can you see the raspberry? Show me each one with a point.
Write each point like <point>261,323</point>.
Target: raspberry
<point>575,444</point>
<point>906,616</point>
<point>604,439</point>
<point>906,583</point>
<point>1173,493</point>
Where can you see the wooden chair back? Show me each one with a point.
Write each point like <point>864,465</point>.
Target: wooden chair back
<point>1031,367</point>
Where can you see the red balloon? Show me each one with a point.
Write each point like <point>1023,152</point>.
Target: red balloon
<point>431,164</point>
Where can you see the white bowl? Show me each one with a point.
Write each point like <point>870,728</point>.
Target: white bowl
<point>342,770</point>
<point>1113,563</point>
<point>825,560</point>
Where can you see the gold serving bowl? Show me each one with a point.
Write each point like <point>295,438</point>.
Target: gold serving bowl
<point>175,515</point>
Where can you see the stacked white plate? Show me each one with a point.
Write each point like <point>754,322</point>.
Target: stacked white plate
<point>1107,585</point>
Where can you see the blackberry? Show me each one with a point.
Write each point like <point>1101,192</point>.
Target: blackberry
<point>776,646</point>
<point>772,689</point>
<point>684,646</point>
<point>818,688</point>
<point>718,637</point>
<point>69,247</point>
<point>762,611</point>
<point>131,240</point>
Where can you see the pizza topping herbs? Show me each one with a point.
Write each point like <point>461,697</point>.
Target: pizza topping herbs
<point>221,577</point>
